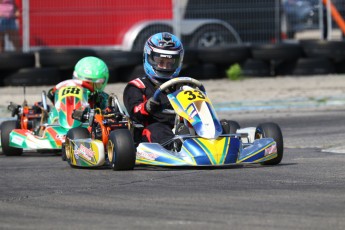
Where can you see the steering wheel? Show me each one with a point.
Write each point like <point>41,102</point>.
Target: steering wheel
<point>164,88</point>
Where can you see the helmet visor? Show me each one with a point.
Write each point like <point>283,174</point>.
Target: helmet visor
<point>164,62</point>
<point>97,84</point>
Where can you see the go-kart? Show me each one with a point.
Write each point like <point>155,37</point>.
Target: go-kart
<point>45,131</point>
<point>107,141</point>
<point>201,139</point>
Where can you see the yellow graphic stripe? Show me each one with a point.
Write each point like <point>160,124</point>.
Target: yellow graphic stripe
<point>189,154</point>
<point>255,152</point>
<point>150,162</point>
<point>266,158</point>
<point>165,155</point>
<point>206,150</point>
<point>225,150</point>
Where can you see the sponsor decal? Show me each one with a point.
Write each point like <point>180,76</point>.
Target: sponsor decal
<point>147,155</point>
<point>60,137</point>
<point>271,150</point>
<point>166,55</point>
<point>84,152</point>
<point>17,140</point>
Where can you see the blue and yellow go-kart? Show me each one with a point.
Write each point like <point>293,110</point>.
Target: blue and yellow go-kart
<point>203,140</point>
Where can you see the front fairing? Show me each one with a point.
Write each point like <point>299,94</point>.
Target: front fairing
<point>68,99</point>
<point>194,106</point>
<point>197,151</point>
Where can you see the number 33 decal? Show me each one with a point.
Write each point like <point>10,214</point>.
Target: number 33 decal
<point>194,94</point>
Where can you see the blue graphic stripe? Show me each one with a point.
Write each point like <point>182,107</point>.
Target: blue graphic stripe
<point>207,151</point>
<point>233,151</point>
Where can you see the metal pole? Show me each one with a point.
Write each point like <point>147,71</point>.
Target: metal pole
<point>323,32</point>
<point>26,25</point>
<point>329,21</point>
<point>278,21</point>
<point>176,18</point>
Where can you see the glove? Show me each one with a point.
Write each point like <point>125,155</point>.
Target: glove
<point>50,95</point>
<point>152,105</point>
<point>80,115</point>
<point>14,108</point>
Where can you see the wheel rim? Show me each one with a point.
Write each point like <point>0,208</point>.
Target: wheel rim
<point>68,149</point>
<point>110,150</point>
<point>210,39</point>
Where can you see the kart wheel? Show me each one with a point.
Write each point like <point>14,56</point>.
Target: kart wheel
<point>229,126</point>
<point>121,150</point>
<point>6,128</point>
<point>63,152</point>
<point>271,130</point>
<point>72,134</point>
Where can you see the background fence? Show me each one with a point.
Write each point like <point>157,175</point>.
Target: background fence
<point>262,37</point>
<point>125,25</point>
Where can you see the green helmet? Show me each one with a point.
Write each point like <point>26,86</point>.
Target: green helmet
<point>93,70</point>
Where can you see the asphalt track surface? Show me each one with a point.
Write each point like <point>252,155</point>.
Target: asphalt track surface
<point>306,191</point>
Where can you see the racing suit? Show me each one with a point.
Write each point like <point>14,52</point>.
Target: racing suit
<point>157,126</point>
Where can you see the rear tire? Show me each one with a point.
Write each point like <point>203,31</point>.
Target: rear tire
<point>271,130</point>
<point>229,126</point>
<point>6,129</point>
<point>72,134</point>
<point>121,150</point>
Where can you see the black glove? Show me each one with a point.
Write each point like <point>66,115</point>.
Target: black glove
<point>50,95</point>
<point>152,105</point>
<point>14,108</point>
<point>80,115</point>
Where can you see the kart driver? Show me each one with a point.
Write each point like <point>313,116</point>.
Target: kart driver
<point>163,56</point>
<point>92,73</point>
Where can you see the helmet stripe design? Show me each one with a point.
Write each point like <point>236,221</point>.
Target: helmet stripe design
<point>163,57</point>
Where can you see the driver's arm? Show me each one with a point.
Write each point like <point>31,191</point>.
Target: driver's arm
<point>134,101</point>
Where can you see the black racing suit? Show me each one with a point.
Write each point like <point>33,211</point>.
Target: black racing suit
<point>157,126</point>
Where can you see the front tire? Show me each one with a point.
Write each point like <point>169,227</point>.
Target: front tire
<point>121,150</point>
<point>6,129</point>
<point>271,130</point>
<point>72,134</point>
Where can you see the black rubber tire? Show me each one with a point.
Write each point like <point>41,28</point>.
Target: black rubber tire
<point>6,128</point>
<point>334,50</point>
<point>16,60</point>
<point>190,57</point>
<point>124,151</point>
<point>63,57</point>
<point>212,32</point>
<point>280,51</point>
<point>224,55</point>
<point>63,152</point>
<point>272,130</point>
<point>129,73</point>
<point>229,126</point>
<point>74,133</point>
<point>117,58</point>
<point>33,77</point>
<point>314,66</point>
<point>256,68</point>
<point>202,71</point>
